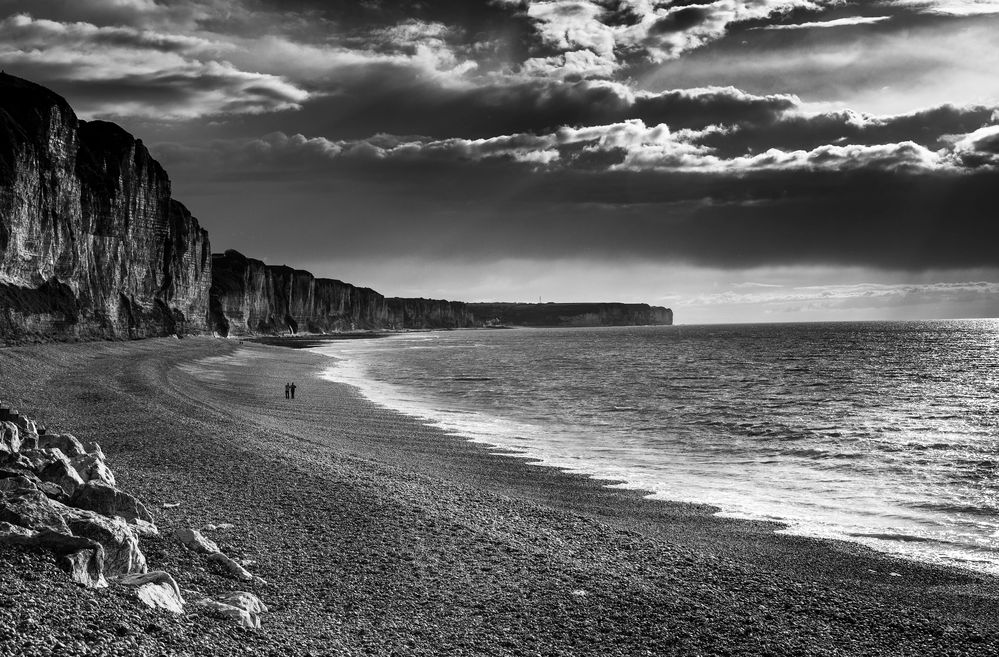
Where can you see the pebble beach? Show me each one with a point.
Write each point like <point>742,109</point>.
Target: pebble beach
<point>378,535</point>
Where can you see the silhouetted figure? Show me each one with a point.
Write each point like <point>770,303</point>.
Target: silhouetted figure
<point>293,390</point>
<point>287,391</point>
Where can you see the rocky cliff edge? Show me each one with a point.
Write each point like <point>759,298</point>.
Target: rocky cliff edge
<point>92,245</point>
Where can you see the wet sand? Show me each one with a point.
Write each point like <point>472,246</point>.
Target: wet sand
<point>381,536</point>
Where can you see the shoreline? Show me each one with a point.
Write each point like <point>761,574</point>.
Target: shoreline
<point>407,400</point>
<point>375,541</point>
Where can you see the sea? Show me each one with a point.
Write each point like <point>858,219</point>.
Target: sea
<point>882,433</point>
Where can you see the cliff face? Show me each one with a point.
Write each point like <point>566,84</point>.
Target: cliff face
<point>250,297</point>
<point>91,243</point>
<point>428,314</point>
<point>570,314</point>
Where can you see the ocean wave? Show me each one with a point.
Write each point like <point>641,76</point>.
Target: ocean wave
<point>843,437</point>
<point>968,509</point>
<point>903,538</point>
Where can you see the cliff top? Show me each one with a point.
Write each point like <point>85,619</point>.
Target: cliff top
<point>25,111</point>
<point>104,147</point>
<point>231,259</point>
<point>23,100</point>
<point>579,306</point>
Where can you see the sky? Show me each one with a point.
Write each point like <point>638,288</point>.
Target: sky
<point>737,161</point>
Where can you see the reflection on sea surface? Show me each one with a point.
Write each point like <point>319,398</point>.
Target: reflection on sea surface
<point>883,433</point>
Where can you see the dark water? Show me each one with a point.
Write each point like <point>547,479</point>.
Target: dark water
<point>883,433</point>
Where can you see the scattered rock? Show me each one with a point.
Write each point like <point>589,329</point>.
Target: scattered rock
<point>21,503</point>
<point>171,505</point>
<point>37,460</point>
<point>229,612</point>
<point>66,443</point>
<point>57,493</point>
<point>156,589</point>
<point>14,468</point>
<point>25,425</point>
<point>61,473</point>
<point>109,501</point>
<point>219,527</point>
<point>234,568</point>
<point>85,567</point>
<point>53,491</point>
<point>193,540</point>
<point>10,438</point>
<point>245,600</point>
<point>82,557</point>
<point>12,534</point>
<point>91,467</point>
<point>94,448</point>
<point>143,528</point>
<point>154,628</point>
<point>121,546</point>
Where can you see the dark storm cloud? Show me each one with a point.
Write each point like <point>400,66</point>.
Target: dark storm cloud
<point>595,192</point>
<point>796,130</point>
<point>396,102</point>
<point>876,219</point>
<point>112,71</point>
<point>538,129</point>
<point>681,20</point>
<point>912,60</point>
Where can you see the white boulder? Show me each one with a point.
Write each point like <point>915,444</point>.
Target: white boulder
<point>156,589</point>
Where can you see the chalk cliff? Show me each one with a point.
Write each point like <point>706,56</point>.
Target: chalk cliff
<point>248,297</point>
<point>428,314</point>
<point>91,243</point>
<point>570,314</point>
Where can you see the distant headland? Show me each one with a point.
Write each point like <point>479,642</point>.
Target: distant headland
<point>94,246</point>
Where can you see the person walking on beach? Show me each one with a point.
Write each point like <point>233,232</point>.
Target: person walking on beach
<point>287,391</point>
<point>292,389</point>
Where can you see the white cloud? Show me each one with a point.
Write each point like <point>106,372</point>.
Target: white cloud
<point>855,295</point>
<point>952,7</point>
<point>626,146</point>
<point>657,33</point>
<point>979,148</point>
<point>141,72</point>
<point>576,63</point>
<point>837,22</point>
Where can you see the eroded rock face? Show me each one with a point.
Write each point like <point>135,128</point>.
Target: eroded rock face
<point>250,297</point>
<point>428,314</point>
<point>91,243</point>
